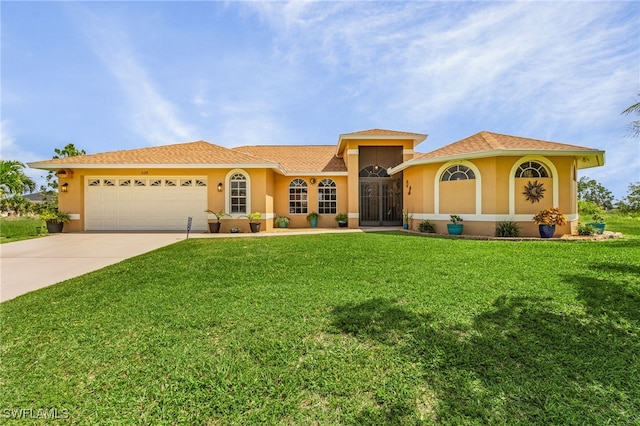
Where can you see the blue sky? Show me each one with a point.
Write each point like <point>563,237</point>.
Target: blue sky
<point>120,75</point>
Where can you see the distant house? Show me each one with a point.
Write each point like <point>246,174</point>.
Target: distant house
<point>37,197</point>
<point>371,175</point>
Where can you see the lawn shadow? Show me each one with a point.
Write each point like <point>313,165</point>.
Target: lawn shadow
<point>615,294</point>
<point>382,320</point>
<point>523,361</point>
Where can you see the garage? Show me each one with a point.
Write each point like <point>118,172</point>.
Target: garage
<point>137,203</point>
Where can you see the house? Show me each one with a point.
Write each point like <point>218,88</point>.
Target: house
<point>371,175</point>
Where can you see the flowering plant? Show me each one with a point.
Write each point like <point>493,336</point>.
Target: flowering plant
<point>550,217</point>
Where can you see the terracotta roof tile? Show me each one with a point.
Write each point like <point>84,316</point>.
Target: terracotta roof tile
<point>488,141</point>
<point>299,158</point>
<point>185,153</point>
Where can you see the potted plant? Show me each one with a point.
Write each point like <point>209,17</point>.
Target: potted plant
<point>312,218</point>
<point>406,217</point>
<point>254,221</point>
<point>455,228</point>
<point>282,221</point>
<point>547,220</point>
<point>598,222</point>
<point>55,220</point>
<point>342,219</point>
<point>214,227</point>
<point>234,230</point>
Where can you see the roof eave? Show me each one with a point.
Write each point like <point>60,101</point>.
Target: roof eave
<point>307,173</point>
<point>587,159</point>
<point>417,139</point>
<point>56,166</point>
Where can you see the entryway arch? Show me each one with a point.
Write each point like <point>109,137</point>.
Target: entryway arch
<point>380,197</point>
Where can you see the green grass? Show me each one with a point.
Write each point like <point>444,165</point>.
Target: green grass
<point>384,328</point>
<point>628,224</point>
<point>20,228</point>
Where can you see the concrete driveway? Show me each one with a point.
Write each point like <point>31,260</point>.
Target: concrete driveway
<point>32,264</point>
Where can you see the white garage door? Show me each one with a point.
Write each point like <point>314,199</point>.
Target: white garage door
<point>145,204</point>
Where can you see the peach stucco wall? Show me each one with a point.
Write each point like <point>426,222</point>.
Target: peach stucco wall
<point>355,162</point>
<point>269,192</point>
<point>459,197</point>
<point>281,203</point>
<point>265,184</point>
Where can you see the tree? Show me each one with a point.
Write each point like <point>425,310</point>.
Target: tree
<point>13,180</point>
<point>634,127</point>
<point>50,190</point>
<point>17,204</point>
<point>631,203</point>
<point>591,190</point>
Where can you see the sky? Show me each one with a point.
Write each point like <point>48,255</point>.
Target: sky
<point>118,75</point>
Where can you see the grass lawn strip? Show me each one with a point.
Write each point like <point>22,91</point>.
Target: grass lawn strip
<point>336,329</point>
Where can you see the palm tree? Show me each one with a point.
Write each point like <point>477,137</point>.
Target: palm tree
<point>13,180</point>
<point>634,127</point>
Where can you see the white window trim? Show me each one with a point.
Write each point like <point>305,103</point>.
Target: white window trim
<point>318,194</point>
<point>512,179</point>
<point>306,185</point>
<point>436,185</point>
<point>227,194</point>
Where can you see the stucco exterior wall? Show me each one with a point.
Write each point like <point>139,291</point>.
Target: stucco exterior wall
<point>495,195</point>
<point>458,197</point>
<point>395,151</point>
<point>73,201</point>
<point>281,201</point>
<point>499,193</point>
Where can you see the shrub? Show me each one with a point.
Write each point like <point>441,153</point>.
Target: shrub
<point>585,230</point>
<point>426,226</point>
<point>507,229</point>
<point>588,208</point>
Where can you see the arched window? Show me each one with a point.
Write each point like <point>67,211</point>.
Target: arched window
<point>327,197</point>
<point>458,172</point>
<point>238,193</point>
<point>298,197</point>
<point>373,171</point>
<point>531,169</point>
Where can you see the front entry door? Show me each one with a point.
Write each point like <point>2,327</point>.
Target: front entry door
<point>380,202</point>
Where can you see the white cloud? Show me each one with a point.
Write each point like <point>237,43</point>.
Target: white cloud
<point>433,59</point>
<point>149,114</point>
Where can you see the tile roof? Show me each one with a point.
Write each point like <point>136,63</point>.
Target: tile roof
<point>488,141</point>
<point>191,153</point>
<point>299,158</point>
<point>381,132</point>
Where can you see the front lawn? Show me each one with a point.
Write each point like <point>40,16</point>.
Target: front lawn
<point>20,228</point>
<point>383,328</point>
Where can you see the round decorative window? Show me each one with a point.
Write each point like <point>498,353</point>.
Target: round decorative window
<point>533,191</point>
